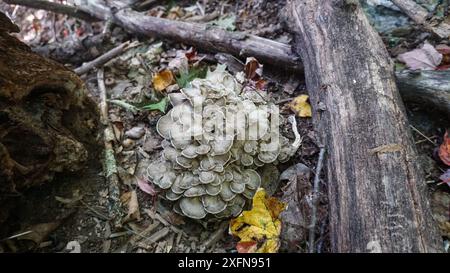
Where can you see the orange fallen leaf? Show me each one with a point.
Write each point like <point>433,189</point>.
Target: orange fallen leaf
<point>162,80</point>
<point>444,150</point>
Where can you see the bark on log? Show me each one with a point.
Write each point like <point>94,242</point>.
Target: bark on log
<point>378,199</point>
<point>47,122</point>
<point>430,88</point>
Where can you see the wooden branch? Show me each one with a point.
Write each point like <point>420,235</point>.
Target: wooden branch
<point>209,38</point>
<point>109,164</point>
<point>377,193</point>
<point>55,7</point>
<point>420,16</point>
<point>315,198</point>
<point>101,60</point>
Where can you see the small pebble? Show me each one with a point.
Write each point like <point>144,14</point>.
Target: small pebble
<point>128,143</point>
<point>135,132</point>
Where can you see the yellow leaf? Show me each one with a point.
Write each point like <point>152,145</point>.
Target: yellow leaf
<point>162,80</point>
<point>260,225</point>
<point>301,106</point>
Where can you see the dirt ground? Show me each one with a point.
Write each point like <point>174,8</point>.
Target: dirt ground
<point>72,212</point>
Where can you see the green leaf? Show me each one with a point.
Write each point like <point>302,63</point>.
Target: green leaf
<point>161,106</point>
<point>227,23</point>
<point>186,77</point>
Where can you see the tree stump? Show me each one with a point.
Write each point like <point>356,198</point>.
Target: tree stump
<point>377,193</point>
<point>47,121</point>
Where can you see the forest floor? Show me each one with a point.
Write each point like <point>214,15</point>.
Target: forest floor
<point>71,212</point>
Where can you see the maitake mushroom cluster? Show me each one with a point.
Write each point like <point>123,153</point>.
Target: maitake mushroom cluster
<point>215,137</point>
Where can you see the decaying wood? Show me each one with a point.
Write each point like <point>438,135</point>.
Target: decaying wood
<point>420,16</point>
<point>378,201</point>
<point>47,122</point>
<point>429,88</point>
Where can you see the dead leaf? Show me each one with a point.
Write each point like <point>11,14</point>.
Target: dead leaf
<point>253,69</point>
<point>246,247</point>
<point>445,177</point>
<point>130,199</point>
<point>146,187</point>
<point>426,58</point>
<point>445,51</point>
<point>444,150</point>
<point>300,106</point>
<point>260,225</point>
<point>162,80</point>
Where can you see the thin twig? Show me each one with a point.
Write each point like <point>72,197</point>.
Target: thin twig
<point>423,135</point>
<point>110,167</point>
<point>101,60</point>
<point>312,227</point>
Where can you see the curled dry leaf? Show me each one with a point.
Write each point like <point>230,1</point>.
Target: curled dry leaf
<point>162,80</point>
<point>444,150</point>
<point>146,187</point>
<point>425,58</point>
<point>130,199</point>
<point>445,177</point>
<point>259,228</point>
<point>253,69</point>
<point>300,106</point>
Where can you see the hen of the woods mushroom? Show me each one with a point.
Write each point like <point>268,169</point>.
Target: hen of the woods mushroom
<point>216,136</point>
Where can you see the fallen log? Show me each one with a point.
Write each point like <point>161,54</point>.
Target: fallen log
<point>377,193</point>
<point>48,124</point>
<point>242,45</point>
<point>429,88</point>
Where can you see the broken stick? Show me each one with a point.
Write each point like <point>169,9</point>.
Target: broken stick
<point>101,60</point>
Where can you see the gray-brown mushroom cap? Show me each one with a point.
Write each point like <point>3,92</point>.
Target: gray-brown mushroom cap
<point>192,207</point>
<point>211,157</point>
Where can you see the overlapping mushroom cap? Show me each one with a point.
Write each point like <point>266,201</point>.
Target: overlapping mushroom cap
<point>215,137</point>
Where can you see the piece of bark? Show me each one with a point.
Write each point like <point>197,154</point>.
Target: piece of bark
<point>420,16</point>
<point>378,201</point>
<point>47,121</point>
<point>427,87</point>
